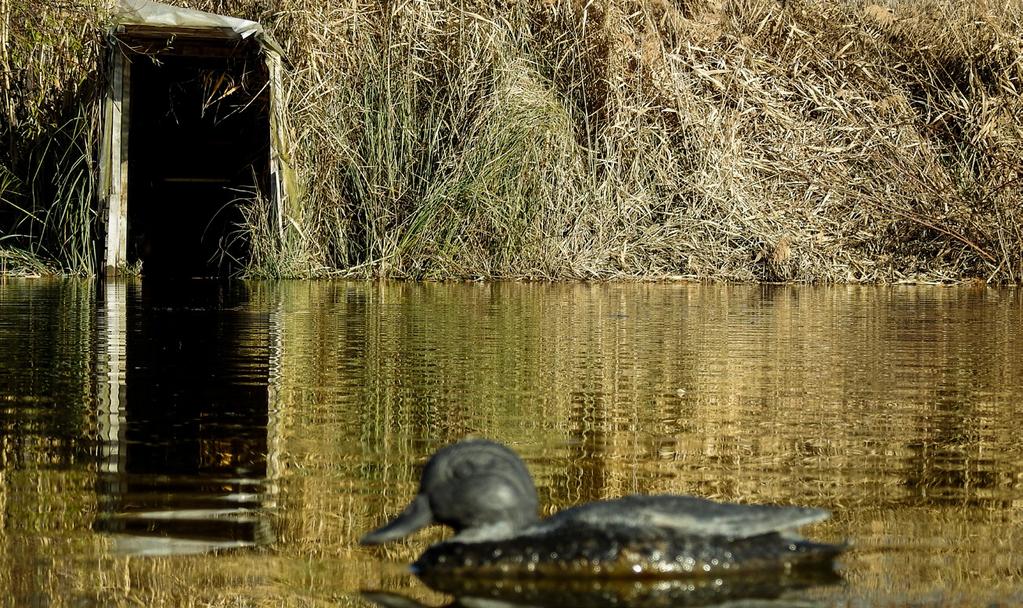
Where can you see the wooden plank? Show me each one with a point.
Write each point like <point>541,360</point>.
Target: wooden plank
<point>184,41</point>
<point>186,48</point>
<point>171,31</point>
<point>278,194</point>
<point>114,193</point>
<point>106,135</point>
<point>122,243</point>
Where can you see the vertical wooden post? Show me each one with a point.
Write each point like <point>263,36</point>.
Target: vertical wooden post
<point>115,162</point>
<point>278,191</point>
<point>122,243</point>
<point>105,145</point>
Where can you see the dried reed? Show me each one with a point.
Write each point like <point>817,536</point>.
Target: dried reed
<point>748,140</point>
<point>47,132</point>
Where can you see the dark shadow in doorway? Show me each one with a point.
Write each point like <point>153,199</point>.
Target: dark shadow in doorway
<point>200,143</point>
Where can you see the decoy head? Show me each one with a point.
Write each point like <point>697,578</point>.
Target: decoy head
<point>480,488</point>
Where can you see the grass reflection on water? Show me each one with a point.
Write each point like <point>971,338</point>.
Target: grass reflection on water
<point>894,407</point>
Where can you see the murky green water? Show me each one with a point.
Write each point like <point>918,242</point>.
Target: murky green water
<point>207,444</point>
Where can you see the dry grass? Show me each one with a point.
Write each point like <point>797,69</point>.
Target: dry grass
<point>48,58</point>
<point>744,140</point>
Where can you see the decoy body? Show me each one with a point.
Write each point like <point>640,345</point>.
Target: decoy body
<point>484,492</point>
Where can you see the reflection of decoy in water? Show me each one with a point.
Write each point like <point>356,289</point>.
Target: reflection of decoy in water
<point>766,588</point>
<point>484,491</point>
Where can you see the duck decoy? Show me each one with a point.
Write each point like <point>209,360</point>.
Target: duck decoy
<point>484,491</point>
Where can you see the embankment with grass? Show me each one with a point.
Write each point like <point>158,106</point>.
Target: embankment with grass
<point>743,140</point>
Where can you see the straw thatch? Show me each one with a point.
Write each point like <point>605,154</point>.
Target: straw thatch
<point>739,140</point>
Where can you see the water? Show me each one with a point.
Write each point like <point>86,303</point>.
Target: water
<point>205,444</point>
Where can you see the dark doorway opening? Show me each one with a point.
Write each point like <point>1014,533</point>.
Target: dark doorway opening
<point>199,133</point>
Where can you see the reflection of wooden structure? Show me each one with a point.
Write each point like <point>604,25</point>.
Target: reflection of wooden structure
<point>145,30</point>
<point>110,397</point>
<point>196,468</point>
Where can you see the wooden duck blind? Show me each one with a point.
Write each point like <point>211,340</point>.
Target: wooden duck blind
<point>192,130</point>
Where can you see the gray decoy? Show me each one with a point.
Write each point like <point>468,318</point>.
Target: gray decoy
<point>484,491</point>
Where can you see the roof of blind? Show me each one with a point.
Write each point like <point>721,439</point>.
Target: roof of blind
<point>156,14</point>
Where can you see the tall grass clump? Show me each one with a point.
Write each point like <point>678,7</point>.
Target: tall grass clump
<point>272,249</point>
<point>740,140</point>
<point>744,140</point>
<point>48,73</point>
<point>446,145</point>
